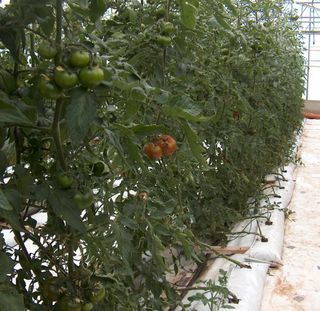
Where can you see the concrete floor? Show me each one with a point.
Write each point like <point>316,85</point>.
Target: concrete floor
<point>296,286</point>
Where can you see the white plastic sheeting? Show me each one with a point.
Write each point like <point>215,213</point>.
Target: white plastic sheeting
<point>247,284</point>
<point>296,285</point>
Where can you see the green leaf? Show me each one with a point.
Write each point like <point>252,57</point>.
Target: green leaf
<point>97,8</point>
<point>187,114</point>
<point>133,150</point>
<point>64,207</point>
<point>12,217</point>
<point>6,265</point>
<point>45,18</point>
<point>218,21</point>
<point>189,13</point>
<point>146,130</point>
<point>80,113</point>
<point>10,299</point>
<point>10,39</point>
<point>11,114</point>
<point>4,203</point>
<point>231,7</point>
<point>194,143</point>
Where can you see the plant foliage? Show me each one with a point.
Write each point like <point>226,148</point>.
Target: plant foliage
<point>223,78</point>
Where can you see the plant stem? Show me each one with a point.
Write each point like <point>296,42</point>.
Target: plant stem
<point>56,134</point>
<point>59,11</point>
<point>57,113</point>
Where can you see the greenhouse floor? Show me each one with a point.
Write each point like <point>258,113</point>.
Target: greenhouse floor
<point>296,285</point>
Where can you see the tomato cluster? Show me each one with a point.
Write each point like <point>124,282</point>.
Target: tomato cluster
<point>75,67</point>
<point>164,38</point>
<point>162,146</point>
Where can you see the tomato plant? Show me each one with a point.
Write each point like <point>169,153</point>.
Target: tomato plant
<point>87,89</point>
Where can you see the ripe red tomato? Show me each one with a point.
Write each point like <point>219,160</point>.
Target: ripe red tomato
<point>167,144</point>
<point>153,151</point>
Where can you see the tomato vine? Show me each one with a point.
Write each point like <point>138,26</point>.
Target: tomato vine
<point>134,127</point>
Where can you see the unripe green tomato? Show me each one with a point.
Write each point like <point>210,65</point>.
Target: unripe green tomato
<point>65,79</point>
<point>49,89</point>
<point>88,306</point>
<point>91,77</point>
<point>79,59</point>
<point>164,41</point>
<point>167,28</point>
<point>47,51</point>
<point>68,304</point>
<point>161,12</point>
<point>97,294</point>
<point>64,181</point>
<point>83,200</point>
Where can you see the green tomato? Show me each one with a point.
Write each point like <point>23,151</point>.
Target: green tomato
<point>91,77</point>
<point>47,51</point>
<point>64,181</point>
<point>64,78</point>
<point>49,89</point>
<point>79,59</point>
<point>97,294</point>
<point>161,12</point>
<point>83,200</point>
<point>68,304</point>
<point>167,28</point>
<point>88,306</point>
<point>163,41</point>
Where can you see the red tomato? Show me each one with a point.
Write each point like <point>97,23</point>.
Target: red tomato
<point>153,151</point>
<point>167,143</point>
<point>235,115</point>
